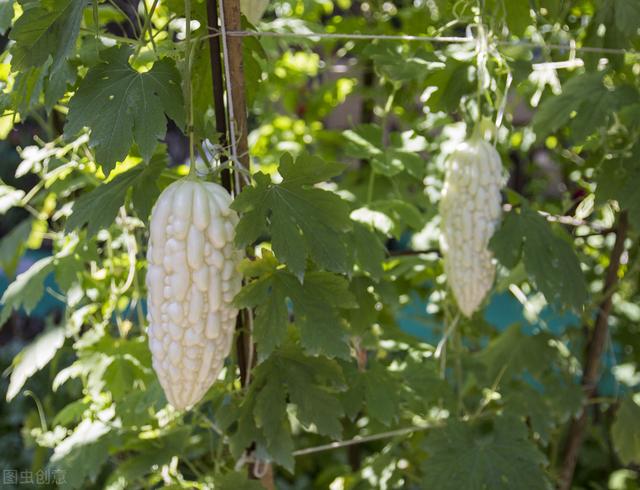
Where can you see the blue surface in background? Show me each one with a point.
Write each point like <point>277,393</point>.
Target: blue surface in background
<point>502,311</point>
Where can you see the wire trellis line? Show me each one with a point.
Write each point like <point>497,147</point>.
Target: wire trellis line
<point>250,457</point>
<point>362,440</point>
<point>316,36</point>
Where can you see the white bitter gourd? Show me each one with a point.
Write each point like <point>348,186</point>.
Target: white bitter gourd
<point>470,209</point>
<point>192,279</point>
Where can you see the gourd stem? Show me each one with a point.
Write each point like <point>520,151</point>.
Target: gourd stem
<point>481,57</point>
<point>187,86</point>
<point>372,179</point>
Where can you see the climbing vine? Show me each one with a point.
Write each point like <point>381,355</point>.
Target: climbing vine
<point>339,129</point>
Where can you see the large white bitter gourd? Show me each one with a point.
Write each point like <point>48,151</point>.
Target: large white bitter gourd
<point>470,209</point>
<point>192,279</point>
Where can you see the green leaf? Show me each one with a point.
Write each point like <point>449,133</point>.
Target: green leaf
<point>362,319</point>
<point>555,112</point>
<point>121,105</point>
<point>57,82</point>
<point>246,431</point>
<point>254,56</point>
<point>6,15</point>
<point>425,386</point>
<point>618,180</point>
<point>271,405</point>
<point>552,263</point>
<point>316,407</point>
<point>627,16</point>
<point>548,258</point>
<point>25,93</point>
<point>145,190</point>
<point>75,264</point>
<point>98,209</point>
<point>316,404</point>
<point>71,413</point>
<point>402,213</point>
<point>236,481</point>
<point>46,29</point>
<point>532,404</point>
<point>448,85</point>
<point>517,16</point>
<point>119,377</point>
<point>626,433</point>
<point>369,250</point>
<point>287,376</point>
<point>506,242</point>
<point>150,454</point>
<point>547,405</point>
<point>366,141</point>
<point>271,316</point>
<point>376,387</point>
<point>12,245</point>
<point>304,221</point>
<point>589,98</point>
<point>596,113</point>
<point>270,415</point>
<point>490,454</point>
<point>34,357</point>
<point>381,394</point>
<point>135,407</point>
<point>395,62</point>
<point>316,305</point>
<point>27,289</point>
<point>512,352</point>
<point>81,455</point>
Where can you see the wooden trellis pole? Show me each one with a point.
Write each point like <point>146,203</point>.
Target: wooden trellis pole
<point>218,89</point>
<point>232,18</point>
<point>231,124</point>
<point>237,133</point>
<point>595,347</point>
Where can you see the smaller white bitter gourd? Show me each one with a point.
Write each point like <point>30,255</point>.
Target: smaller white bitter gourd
<point>192,279</point>
<point>470,210</point>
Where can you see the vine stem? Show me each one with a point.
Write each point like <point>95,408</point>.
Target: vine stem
<point>456,342</point>
<point>187,85</point>
<point>441,349</point>
<point>595,348</point>
<point>147,22</point>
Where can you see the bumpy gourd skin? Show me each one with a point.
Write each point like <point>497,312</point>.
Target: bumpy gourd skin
<point>470,209</point>
<point>192,279</point>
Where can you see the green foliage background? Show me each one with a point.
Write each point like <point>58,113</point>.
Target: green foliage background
<point>325,210</point>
